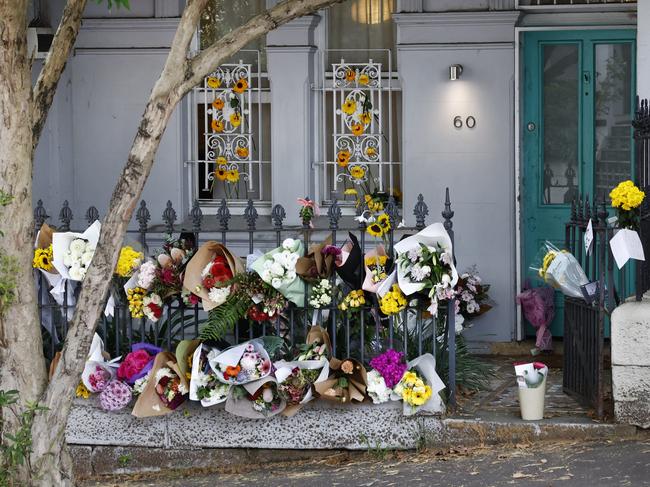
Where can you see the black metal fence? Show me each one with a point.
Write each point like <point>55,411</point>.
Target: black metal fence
<point>360,335</point>
<point>641,125</point>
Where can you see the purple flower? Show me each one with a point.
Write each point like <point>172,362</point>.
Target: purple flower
<point>391,365</point>
<point>331,250</point>
<point>115,396</point>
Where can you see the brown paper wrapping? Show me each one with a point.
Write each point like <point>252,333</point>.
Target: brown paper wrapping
<point>208,251</point>
<point>184,349</point>
<point>315,265</point>
<point>149,403</point>
<point>357,382</point>
<point>318,334</point>
<point>44,239</point>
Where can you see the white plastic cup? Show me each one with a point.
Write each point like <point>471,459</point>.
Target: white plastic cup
<point>531,402</point>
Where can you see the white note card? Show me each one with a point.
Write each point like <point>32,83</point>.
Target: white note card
<point>626,245</point>
<point>589,237</point>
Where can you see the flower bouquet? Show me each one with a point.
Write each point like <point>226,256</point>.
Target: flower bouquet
<point>347,382</point>
<point>321,294</point>
<point>420,387</point>
<point>348,263</point>
<point>256,400</point>
<point>295,381</point>
<point>138,362</point>
<point>242,363</point>
<point>208,271</point>
<point>278,268</point>
<point>387,371</point>
<point>184,356</point>
<point>165,389</point>
<point>204,384</point>
<point>626,244</point>
<point>377,264</point>
<point>98,371</point>
<point>72,252</point>
<point>319,261</point>
<point>115,396</point>
<point>560,269</point>
<point>43,254</point>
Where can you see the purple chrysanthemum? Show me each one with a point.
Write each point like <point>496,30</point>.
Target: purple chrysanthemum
<point>115,396</point>
<point>391,366</point>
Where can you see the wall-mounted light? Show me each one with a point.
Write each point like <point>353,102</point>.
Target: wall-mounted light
<point>455,70</point>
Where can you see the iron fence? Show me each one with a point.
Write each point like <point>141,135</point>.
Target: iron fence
<point>360,335</point>
<point>641,125</point>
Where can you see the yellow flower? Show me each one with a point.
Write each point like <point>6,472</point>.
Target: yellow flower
<point>213,82</point>
<point>377,260</point>
<point>384,221</point>
<point>128,261</point>
<point>364,79</point>
<point>626,196</point>
<point>343,158</point>
<point>365,118</point>
<point>357,129</point>
<point>349,107</point>
<point>135,297</point>
<point>221,161</point>
<point>82,391</point>
<point>221,174</point>
<point>217,125</point>
<point>357,172</point>
<point>546,262</point>
<point>351,192</point>
<point>240,86</point>
<point>354,299</point>
<point>43,259</point>
<point>350,75</point>
<point>375,230</point>
<point>217,104</point>
<point>235,119</point>
<point>242,152</point>
<point>232,176</point>
<point>371,152</point>
<point>393,301</point>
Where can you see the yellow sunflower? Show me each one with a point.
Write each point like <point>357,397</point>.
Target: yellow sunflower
<point>351,192</point>
<point>242,152</point>
<point>384,221</point>
<point>371,152</point>
<point>235,119</point>
<point>375,229</point>
<point>349,107</point>
<point>350,75</point>
<point>217,125</point>
<point>217,104</point>
<point>221,161</point>
<point>343,158</point>
<point>357,129</point>
<point>240,86</point>
<point>213,82</point>
<point>232,176</point>
<point>364,79</point>
<point>221,174</point>
<point>357,172</point>
<point>365,118</point>
<point>43,259</point>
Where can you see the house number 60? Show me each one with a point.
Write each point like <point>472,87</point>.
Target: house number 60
<point>470,122</point>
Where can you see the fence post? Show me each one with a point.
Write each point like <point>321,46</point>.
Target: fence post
<point>143,216</point>
<point>65,215</point>
<point>40,215</point>
<point>421,211</point>
<point>448,214</point>
<point>197,217</point>
<point>169,217</point>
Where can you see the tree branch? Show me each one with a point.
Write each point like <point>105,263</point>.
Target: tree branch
<point>209,59</point>
<point>57,57</point>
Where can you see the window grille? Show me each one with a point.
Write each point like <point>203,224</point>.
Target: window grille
<point>551,3</point>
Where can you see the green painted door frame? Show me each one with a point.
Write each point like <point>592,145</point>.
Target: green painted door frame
<point>568,132</point>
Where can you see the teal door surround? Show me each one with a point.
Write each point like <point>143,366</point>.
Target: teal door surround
<point>577,98</point>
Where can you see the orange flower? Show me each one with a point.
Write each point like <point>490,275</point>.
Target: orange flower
<point>371,152</point>
<point>343,158</point>
<point>217,125</point>
<point>242,152</point>
<point>231,372</point>
<point>240,86</point>
<point>235,119</point>
<point>364,79</point>
<point>347,367</point>
<point>213,82</point>
<point>221,161</point>
<point>357,129</point>
<point>350,75</point>
<point>217,104</point>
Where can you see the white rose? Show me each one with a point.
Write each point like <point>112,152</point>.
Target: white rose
<point>276,283</point>
<point>266,275</point>
<point>290,276</point>
<point>289,244</point>
<point>293,260</point>
<point>77,273</point>
<point>86,257</point>
<point>277,269</point>
<point>77,247</point>
<point>67,259</point>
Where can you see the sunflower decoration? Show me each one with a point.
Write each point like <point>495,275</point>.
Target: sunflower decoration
<point>242,152</point>
<point>350,75</point>
<point>343,158</point>
<point>351,192</point>
<point>43,259</point>
<point>357,172</point>
<point>371,152</point>
<point>365,118</point>
<point>213,82</point>
<point>375,229</point>
<point>240,86</point>
<point>232,176</point>
<point>235,119</point>
<point>384,222</point>
<point>375,205</point>
<point>217,125</point>
<point>221,174</point>
<point>217,104</point>
<point>221,161</point>
<point>357,129</point>
<point>349,107</point>
<point>364,79</point>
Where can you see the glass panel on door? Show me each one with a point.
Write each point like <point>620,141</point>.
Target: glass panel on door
<point>560,123</point>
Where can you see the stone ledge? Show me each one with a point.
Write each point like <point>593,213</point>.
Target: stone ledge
<point>631,333</point>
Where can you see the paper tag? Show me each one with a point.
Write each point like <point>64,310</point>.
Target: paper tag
<point>589,237</point>
<point>626,245</point>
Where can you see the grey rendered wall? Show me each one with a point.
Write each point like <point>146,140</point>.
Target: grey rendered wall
<point>476,164</point>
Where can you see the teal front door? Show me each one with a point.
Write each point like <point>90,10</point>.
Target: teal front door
<point>578,100</point>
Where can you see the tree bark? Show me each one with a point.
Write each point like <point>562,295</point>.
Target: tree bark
<point>178,77</point>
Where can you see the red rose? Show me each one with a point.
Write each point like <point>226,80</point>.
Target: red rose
<point>209,282</point>
<point>155,309</point>
<point>167,276</point>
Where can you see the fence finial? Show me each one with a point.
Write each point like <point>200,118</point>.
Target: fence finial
<point>65,215</point>
<point>587,211</point>
<point>278,214</point>
<point>169,217</point>
<point>574,215</point>
<point>421,211</point>
<point>143,216</point>
<point>580,206</point>
<point>197,217</point>
<point>250,213</point>
<point>92,215</point>
<point>448,214</point>
<point>223,213</point>
<point>392,211</point>
<point>334,214</point>
<point>40,215</point>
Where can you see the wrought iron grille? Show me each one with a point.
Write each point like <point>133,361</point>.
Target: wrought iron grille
<point>551,3</point>
<point>641,124</point>
<point>353,335</point>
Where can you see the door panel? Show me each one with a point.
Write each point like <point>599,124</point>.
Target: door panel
<point>577,103</point>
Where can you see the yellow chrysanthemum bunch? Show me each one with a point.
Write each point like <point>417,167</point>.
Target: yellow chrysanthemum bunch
<point>135,297</point>
<point>548,258</point>
<point>626,196</point>
<point>355,299</point>
<point>82,391</point>
<point>128,261</point>
<point>377,260</point>
<point>43,259</point>
<point>393,301</point>
<point>414,391</point>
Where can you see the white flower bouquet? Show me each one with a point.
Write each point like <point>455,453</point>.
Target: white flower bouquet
<point>278,268</point>
<point>73,252</point>
<point>321,294</point>
<point>204,384</point>
<point>242,363</point>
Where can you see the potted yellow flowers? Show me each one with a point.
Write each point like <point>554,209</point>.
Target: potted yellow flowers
<point>626,244</point>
